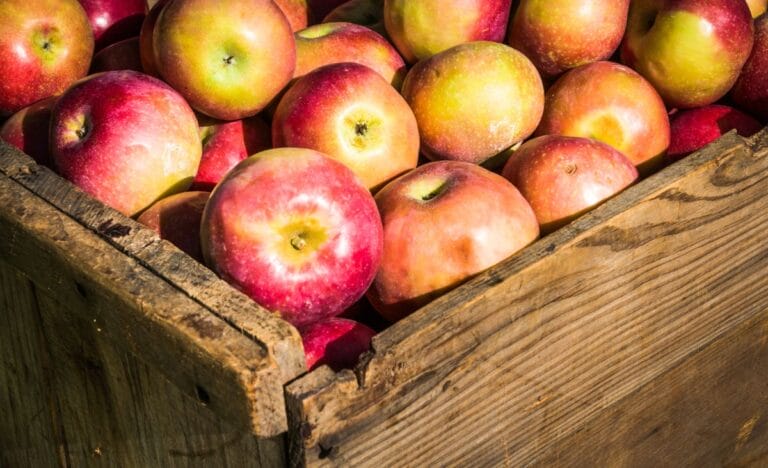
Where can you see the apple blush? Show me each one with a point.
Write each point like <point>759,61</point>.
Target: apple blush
<point>693,129</point>
<point>296,231</point>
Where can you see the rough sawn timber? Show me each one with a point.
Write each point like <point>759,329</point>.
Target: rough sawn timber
<point>507,369</point>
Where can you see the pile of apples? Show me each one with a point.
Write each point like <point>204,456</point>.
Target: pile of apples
<point>323,154</point>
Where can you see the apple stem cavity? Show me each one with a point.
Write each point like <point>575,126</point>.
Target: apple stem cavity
<point>361,128</point>
<point>298,242</point>
<point>229,59</point>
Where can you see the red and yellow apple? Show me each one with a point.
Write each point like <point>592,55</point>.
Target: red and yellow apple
<point>421,28</point>
<point>349,112</point>
<point>691,51</point>
<point>695,128</point>
<point>474,100</point>
<point>296,12</point>
<point>146,34</point>
<point>335,342</point>
<point>444,222</point>
<point>176,218</point>
<point>228,61</point>
<point>611,103</point>
<point>111,135</point>
<point>45,45</point>
<point>558,36</point>
<point>563,177</point>
<point>296,231</point>
<point>226,143</point>
<point>327,43</point>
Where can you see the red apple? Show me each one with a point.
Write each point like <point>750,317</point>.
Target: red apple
<point>29,130</point>
<point>474,100</point>
<point>296,12</point>
<point>226,143</point>
<point>691,51</point>
<point>563,177</point>
<point>111,135</point>
<point>114,20</point>
<point>422,28</point>
<point>750,92</point>
<point>444,222</point>
<point>558,36</point>
<point>611,103</point>
<point>146,35</point>
<point>121,55</point>
<point>46,45</point>
<point>368,13</point>
<point>327,43</point>
<point>335,342</point>
<point>176,218</point>
<point>228,61</point>
<point>348,111</point>
<point>296,231</point>
<point>695,128</point>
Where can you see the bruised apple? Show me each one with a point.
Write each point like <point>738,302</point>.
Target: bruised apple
<point>444,222</point>
<point>563,177</point>
<point>296,231</point>
<point>112,137</point>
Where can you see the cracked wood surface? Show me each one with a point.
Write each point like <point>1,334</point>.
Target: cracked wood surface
<point>511,367</point>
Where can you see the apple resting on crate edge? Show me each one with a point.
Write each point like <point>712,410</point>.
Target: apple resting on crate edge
<point>444,222</point>
<point>176,218</point>
<point>296,231</point>
<point>336,342</point>
<point>750,92</point>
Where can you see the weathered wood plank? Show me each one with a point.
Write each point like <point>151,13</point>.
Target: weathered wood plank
<point>711,410</point>
<point>501,369</point>
<point>281,340</point>
<point>139,311</point>
<point>30,426</point>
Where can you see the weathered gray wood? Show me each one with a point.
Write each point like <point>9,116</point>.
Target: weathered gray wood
<point>139,311</point>
<point>110,408</point>
<point>523,356</point>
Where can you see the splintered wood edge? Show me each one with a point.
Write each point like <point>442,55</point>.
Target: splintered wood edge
<point>385,362</point>
<point>269,352</point>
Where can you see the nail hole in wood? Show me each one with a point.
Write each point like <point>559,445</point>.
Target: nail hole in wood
<point>326,452</point>
<point>202,395</point>
<point>81,290</point>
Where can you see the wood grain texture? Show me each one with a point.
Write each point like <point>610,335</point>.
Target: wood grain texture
<point>138,311</point>
<point>524,355</point>
<point>280,339</point>
<point>111,409</point>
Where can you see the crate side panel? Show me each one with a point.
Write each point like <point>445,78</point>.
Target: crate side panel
<point>30,421</point>
<point>529,352</point>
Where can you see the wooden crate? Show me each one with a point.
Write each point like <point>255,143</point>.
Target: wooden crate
<point>635,336</point>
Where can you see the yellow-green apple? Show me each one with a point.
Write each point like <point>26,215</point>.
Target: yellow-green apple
<point>444,222</point>
<point>28,130</point>
<point>327,43</point>
<point>612,103</point>
<point>349,112</point>
<point>296,231</point>
<point>45,45</point>
<point>750,92</point>
<point>558,36</point>
<point>176,218</point>
<point>114,20</point>
<point>368,13</point>
<point>120,55</point>
<point>228,61</point>
<point>226,143</point>
<point>146,34</point>
<point>563,177</point>
<point>296,12</point>
<point>335,342</point>
<point>757,7</point>
<point>691,51</point>
<point>421,28</point>
<point>474,100</point>
<point>695,128</point>
<point>126,138</point>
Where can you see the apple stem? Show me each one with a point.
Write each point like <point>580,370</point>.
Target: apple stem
<point>229,59</point>
<point>361,128</point>
<point>298,242</point>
